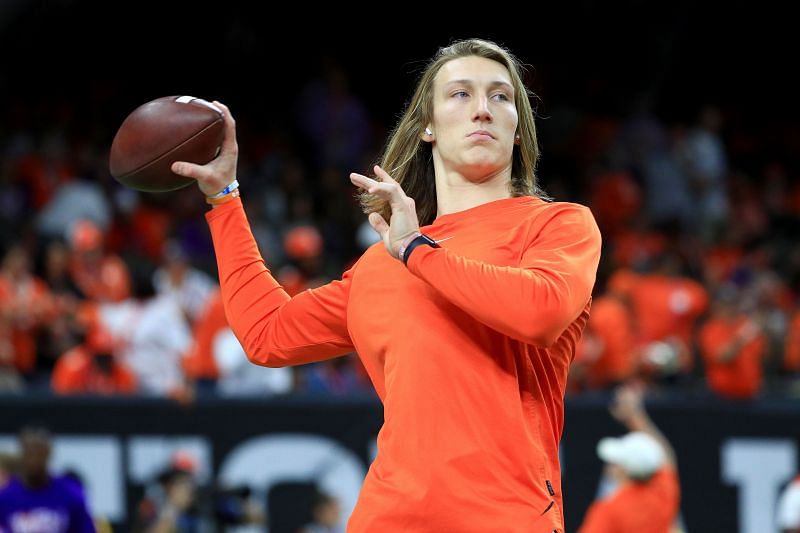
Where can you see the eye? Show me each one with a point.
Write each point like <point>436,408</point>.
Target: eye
<point>503,97</point>
<point>460,94</point>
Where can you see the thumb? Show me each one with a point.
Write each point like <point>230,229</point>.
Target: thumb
<point>190,170</point>
<point>378,224</point>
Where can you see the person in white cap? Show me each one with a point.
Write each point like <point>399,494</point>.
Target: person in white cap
<point>789,508</point>
<point>643,464</point>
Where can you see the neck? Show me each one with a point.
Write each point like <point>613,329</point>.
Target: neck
<point>455,193</point>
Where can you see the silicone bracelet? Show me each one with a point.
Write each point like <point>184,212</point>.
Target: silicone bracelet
<point>227,190</point>
<point>222,199</point>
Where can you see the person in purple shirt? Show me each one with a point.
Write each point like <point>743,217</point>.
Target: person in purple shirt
<point>35,501</point>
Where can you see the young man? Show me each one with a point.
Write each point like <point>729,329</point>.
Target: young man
<point>465,316</point>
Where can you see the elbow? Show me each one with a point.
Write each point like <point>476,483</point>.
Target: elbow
<point>557,307</point>
<point>257,357</point>
<point>258,343</point>
<point>545,331</point>
<point>546,339</point>
<point>265,357</point>
<point>544,335</point>
<point>260,351</point>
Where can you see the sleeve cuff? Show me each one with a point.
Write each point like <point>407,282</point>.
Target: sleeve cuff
<point>222,209</point>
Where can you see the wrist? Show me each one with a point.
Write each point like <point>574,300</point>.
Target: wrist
<point>232,186</point>
<point>215,201</point>
<point>405,244</point>
<point>417,240</point>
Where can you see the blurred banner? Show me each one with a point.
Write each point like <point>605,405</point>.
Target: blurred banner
<point>733,459</point>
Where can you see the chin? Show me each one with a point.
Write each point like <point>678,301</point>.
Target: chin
<point>479,173</point>
<point>482,165</point>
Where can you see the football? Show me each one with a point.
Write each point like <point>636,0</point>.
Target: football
<point>160,132</point>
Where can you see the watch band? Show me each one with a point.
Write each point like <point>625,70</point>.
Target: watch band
<point>405,253</point>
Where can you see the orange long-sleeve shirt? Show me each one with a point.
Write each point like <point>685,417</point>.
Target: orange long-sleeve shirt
<point>650,507</point>
<point>468,348</point>
<point>740,377</point>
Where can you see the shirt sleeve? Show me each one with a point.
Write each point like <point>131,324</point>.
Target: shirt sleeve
<point>273,328</point>
<point>535,301</point>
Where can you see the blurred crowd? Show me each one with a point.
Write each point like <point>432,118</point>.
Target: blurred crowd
<point>35,497</point>
<point>104,290</point>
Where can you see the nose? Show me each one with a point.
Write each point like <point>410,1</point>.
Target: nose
<point>481,113</point>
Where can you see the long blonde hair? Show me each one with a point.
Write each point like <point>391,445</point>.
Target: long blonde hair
<point>408,159</point>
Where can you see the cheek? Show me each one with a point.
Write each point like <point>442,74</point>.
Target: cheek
<point>445,114</point>
<point>512,119</point>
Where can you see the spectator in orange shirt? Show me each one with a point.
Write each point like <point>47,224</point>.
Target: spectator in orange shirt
<point>642,463</point>
<point>303,246</point>
<point>100,276</point>
<point>25,305</point>
<point>733,346</point>
<point>92,368</point>
<point>791,358</point>
<point>666,306</point>
<point>605,356</point>
<point>616,198</point>
<point>465,316</point>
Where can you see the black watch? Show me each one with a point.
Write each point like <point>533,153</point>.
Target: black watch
<point>418,240</point>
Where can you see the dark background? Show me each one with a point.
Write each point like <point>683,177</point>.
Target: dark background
<point>105,58</point>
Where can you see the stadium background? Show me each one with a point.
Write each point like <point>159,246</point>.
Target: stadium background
<point>72,70</point>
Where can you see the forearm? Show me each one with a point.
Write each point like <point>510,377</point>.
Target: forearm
<point>249,292</point>
<point>531,305</point>
<point>273,328</point>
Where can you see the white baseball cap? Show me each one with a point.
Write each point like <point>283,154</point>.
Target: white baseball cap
<point>789,506</point>
<point>639,454</point>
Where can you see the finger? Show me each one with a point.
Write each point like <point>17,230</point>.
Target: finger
<point>390,192</point>
<point>229,140</point>
<point>190,170</point>
<point>362,181</point>
<point>384,175</point>
<point>398,197</point>
<point>370,185</point>
<point>378,224</point>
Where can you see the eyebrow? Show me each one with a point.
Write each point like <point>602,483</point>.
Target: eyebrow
<point>497,83</point>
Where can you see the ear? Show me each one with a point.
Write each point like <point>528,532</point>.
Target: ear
<point>427,134</point>
<point>516,139</point>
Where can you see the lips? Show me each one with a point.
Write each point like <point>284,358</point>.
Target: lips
<point>481,134</point>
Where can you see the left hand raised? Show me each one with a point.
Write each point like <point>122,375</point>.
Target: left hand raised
<point>403,222</point>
